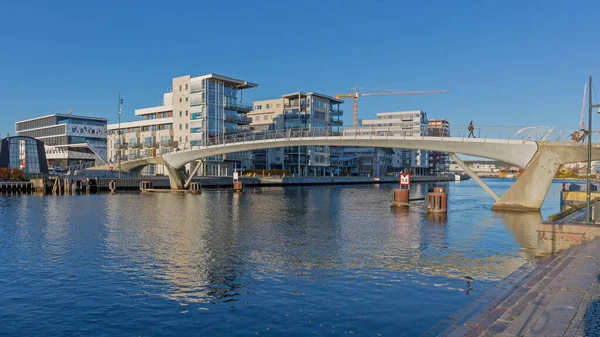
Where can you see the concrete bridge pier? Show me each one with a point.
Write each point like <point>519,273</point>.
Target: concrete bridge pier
<point>176,177</point>
<point>529,191</point>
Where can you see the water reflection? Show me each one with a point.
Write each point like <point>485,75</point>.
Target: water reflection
<point>206,247</point>
<point>317,249</point>
<point>523,226</point>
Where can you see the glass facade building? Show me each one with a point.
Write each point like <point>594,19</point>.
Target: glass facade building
<point>23,153</point>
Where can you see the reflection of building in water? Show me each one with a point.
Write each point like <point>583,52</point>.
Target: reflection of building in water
<point>212,243</point>
<point>184,249</point>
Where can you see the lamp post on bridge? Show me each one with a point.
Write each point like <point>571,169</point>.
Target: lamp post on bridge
<point>588,210</point>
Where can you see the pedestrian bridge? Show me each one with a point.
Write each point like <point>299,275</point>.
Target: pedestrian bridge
<point>540,151</point>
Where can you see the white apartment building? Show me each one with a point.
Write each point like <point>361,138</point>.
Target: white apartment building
<point>194,111</point>
<point>410,123</point>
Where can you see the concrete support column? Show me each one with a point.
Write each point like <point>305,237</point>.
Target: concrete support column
<point>176,177</point>
<point>474,176</point>
<point>529,191</point>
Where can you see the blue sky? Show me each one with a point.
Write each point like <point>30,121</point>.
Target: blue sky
<point>505,63</point>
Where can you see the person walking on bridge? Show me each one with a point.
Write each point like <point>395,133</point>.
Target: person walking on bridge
<point>471,129</point>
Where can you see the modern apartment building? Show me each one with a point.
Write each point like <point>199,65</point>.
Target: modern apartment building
<point>194,111</point>
<point>264,113</point>
<point>69,140</point>
<point>439,162</point>
<point>299,110</point>
<point>263,117</point>
<point>366,161</point>
<point>151,134</point>
<point>410,123</point>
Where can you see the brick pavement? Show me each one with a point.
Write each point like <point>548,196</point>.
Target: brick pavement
<point>558,296</point>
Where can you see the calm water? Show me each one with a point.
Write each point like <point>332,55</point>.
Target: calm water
<point>298,261</point>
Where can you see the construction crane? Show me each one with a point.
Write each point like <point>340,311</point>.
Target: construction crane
<point>355,95</point>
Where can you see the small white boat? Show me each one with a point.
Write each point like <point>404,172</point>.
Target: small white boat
<point>457,177</point>
<point>510,175</point>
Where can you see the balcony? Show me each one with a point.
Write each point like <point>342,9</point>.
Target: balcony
<point>135,145</point>
<point>150,145</point>
<point>168,143</point>
<point>122,146</point>
<point>336,112</point>
<point>237,106</point>
<point>238,119</point>
<point>294,105</point>
<point>335,122</point>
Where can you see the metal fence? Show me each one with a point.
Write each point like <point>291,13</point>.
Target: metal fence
<point>454,132</point>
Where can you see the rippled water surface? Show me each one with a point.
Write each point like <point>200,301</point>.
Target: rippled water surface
<point>297,261</point>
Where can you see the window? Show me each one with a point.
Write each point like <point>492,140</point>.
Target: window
<point>186,87</point>
<point>268,106</point>
<point>180,87</point>
<point>186,113</point>
<point>186,138</point>
<point>180,127</point>
<point>258,107</point>
<point>278,105</point>
<point>257,118</point>
<point>180,138</point>
<point>180,100</point>
<point>186,99</point>
<point>186,126</point>
<point>180,114</point>
<point>266,117</point>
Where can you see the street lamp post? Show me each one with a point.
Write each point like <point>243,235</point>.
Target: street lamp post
<point>588,210</point>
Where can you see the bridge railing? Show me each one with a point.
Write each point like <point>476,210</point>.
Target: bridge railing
<point>454,132</point>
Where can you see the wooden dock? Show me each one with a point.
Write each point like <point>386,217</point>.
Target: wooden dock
<point>11,186</point>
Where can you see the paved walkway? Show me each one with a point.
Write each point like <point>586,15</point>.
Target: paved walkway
<point>559,296</point>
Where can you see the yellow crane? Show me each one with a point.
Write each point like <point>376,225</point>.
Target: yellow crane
<point>355,95</point>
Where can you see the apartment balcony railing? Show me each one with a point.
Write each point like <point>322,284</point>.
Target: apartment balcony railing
<point>168,143</point>
<point>336,112</point>
<point>243,120</point>
<point>121,146</point>
<point>150,145</point>
<point>135,145</point>
<point>238,106</point>
<point>335,122</point>
<point>294,105</point>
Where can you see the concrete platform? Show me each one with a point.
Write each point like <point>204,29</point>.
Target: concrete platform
<point>557,296</point>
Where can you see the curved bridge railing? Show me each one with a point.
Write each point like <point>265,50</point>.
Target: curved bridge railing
<point>460,132</point>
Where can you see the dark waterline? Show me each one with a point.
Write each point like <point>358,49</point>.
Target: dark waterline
<point>294,261</point>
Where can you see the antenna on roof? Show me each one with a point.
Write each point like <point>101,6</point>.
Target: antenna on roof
<point>70,112</point>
